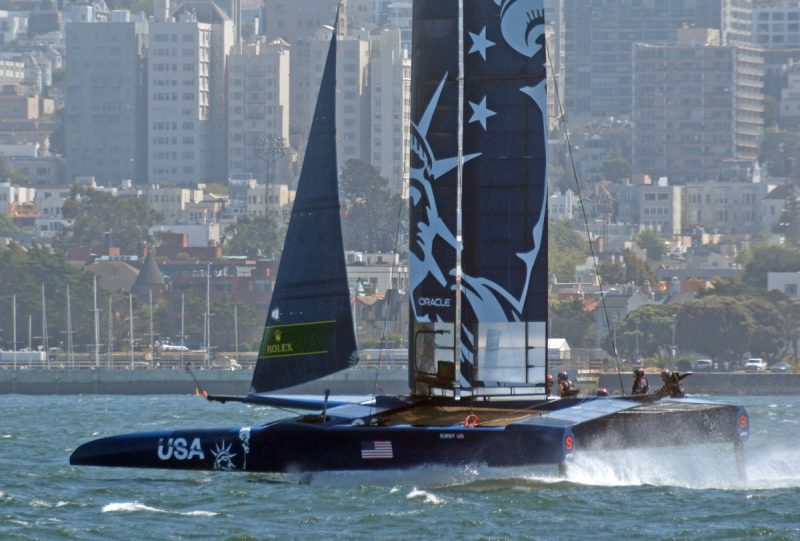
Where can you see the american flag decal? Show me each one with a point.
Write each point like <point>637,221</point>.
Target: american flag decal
<point>376,449</point>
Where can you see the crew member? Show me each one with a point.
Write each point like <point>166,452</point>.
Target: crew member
<point>548,385</point>
<point>671,383</point>
<point>640,384</point>
<point>564,384</point>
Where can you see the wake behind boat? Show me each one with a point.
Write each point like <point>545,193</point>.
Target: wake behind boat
<point>478,288</point>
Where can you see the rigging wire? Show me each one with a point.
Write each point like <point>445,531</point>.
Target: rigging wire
<point>563,118</point>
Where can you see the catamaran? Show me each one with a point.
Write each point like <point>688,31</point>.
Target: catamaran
<point>478,291</point>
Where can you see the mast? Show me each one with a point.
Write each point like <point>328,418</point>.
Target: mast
<point>70,356</point>
<point>45,344</point>
<point>130,327</point>
<point>207,330</point>
<point>236,329</point>
<point>183,332</point>
<point>110,332</point>
<point>14,326</point>
<point>152,345</point>
<point>96,327</point>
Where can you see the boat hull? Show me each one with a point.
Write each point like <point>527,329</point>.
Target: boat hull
<point>295,445</point>
<point>544,432</point>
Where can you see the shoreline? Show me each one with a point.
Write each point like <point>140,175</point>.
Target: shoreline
<point>353,381</point>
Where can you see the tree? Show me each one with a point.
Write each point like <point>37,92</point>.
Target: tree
<point>371,210</point>
<point>570,321</point>
<point>647,240</point>
<point>648,327</point>
<point>616,168</point>
<point>611,272</point>
<point>727,287</point>
<point>768,258</point>
<point>254,237</point>
<point>7,171</point>
<point>30,269</point>
<point>567,250</point>
<point>57,136</point>
<point>7,227</point>
<point>716,326</point>
<point>767,338</point>
<point>637,270</point>
<point>95,213</point>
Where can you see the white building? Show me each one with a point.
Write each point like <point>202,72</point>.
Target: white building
<point>186,66</point>
<point>258,109</point>
<point>11,195</point>
<point>562,206</point>
<point>171,201</point>
<point>375,273</point>
<point>272,199</point>
<point>390,89</point>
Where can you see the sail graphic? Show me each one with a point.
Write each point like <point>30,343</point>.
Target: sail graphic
<point>483,278</point>
<point>309,329</point>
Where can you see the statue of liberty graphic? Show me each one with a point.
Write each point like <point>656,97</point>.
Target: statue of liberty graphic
<point>433,241</point>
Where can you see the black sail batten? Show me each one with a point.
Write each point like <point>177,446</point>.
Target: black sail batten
<point>309,329</point>
<point>501,316</point>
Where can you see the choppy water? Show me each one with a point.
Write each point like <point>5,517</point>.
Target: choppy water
<point>660,494</point>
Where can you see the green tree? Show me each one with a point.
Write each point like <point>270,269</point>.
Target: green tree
<point>95,213</point>
<point>615,169</point>
<point>720,327</point>
<point>57,136</point>
<point>570,321</point>
<point>648,327</point>
<point>7,171</point>
<point>767,338</point>
<point>7,227</point>
<point>727,287</point>
<point>254,237</point>
<point>371,210</point>
<point>23,272</point>
<point>566,250</point>
<point>762,259</point>
<point>611,272</point>
<point>647,240</point>
<point>637,270</point>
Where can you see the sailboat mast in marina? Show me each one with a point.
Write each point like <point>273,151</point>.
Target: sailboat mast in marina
<point>477,288</point>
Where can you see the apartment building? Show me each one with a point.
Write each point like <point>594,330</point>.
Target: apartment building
<point>599,37</point>
<point>105,127</point>
<point>696,104</point>
<point>258,109</point>
<point>390,93</point>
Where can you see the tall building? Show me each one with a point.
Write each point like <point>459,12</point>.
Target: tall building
<point>696,105</point>
<point>258,109</point>
<point>390,91</point>
<point>106,112</point>
<point>294,20</point>
<point>352,99</point>
<point>599,36</point>
<point>187,125</point>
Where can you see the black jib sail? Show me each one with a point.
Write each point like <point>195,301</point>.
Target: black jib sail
<point>309,330</point>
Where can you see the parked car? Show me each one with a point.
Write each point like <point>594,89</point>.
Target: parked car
<point>702,365</point>
<point>755,364</point>
<point>781,367</point>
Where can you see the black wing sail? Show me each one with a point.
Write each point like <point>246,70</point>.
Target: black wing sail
<point>309,330</point>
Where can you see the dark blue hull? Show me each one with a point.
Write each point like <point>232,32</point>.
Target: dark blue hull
<point>290,446</point>
<point>411,435</point>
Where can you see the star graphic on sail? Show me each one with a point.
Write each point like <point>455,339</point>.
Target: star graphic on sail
<point>480,43</point>
<point>480,112</point>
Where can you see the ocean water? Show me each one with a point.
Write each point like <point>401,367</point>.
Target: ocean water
<point>689,493</point>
